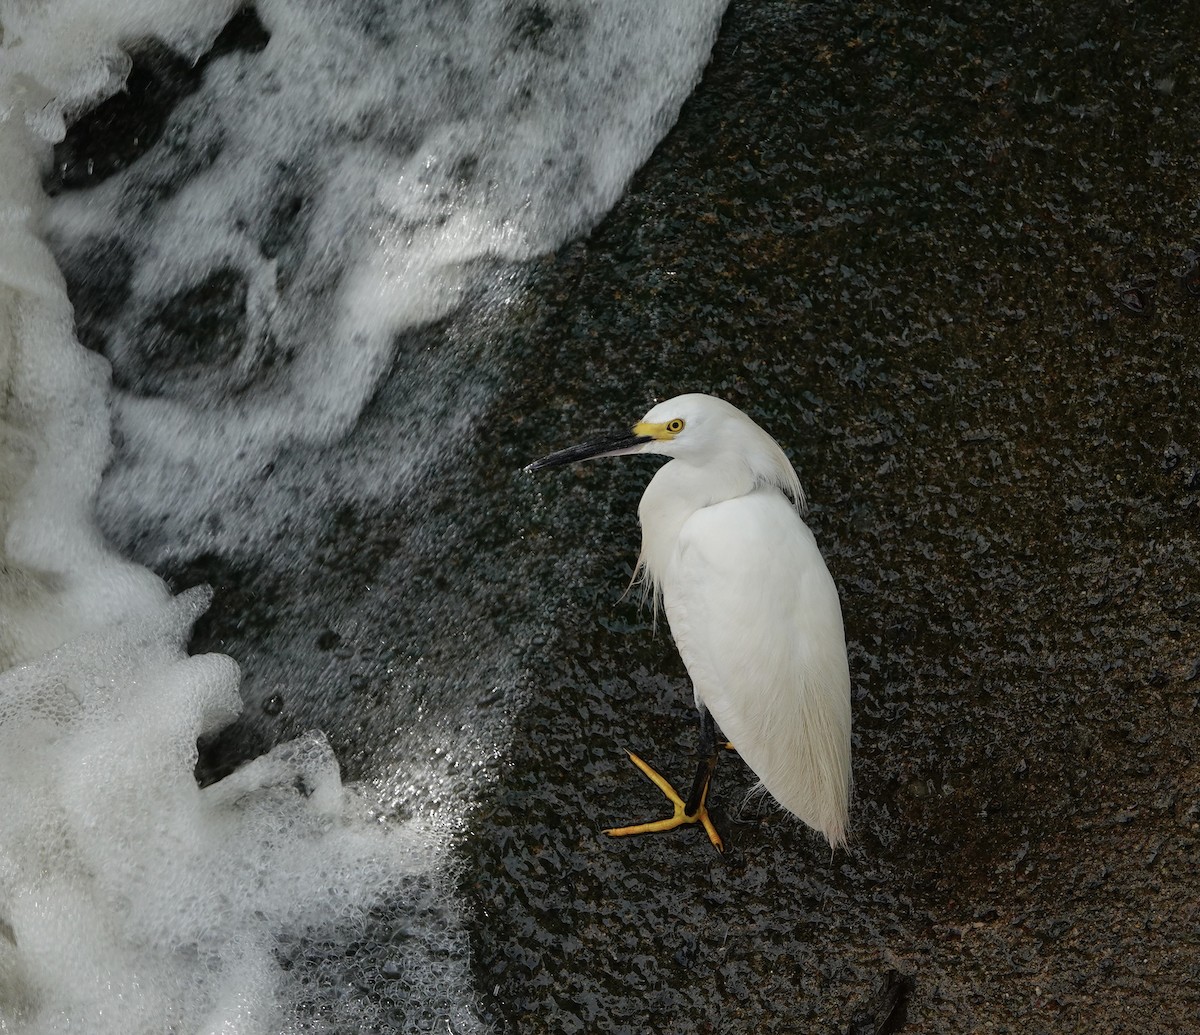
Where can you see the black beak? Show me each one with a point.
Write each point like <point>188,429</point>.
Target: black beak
<point>609,445</point>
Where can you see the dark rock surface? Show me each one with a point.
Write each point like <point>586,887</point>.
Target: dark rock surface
<point>942,255</point>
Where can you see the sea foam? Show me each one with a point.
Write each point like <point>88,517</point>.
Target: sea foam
<point>366,171</point>
<point>369,169</point>
<point>132,900</point>
<point>135,901</point>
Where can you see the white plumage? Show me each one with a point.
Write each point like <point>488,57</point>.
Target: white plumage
<point>750,602</point>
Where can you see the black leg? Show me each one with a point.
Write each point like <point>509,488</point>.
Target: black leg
<point>706,766</point>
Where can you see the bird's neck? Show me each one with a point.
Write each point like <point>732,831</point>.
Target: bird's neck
<point>674,494</point>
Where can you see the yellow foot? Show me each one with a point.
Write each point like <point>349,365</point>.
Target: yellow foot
<point>679,819</point>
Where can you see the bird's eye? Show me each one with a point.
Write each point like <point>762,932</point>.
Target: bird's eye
<point>675,426</point>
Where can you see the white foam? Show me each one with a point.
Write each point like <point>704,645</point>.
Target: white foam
<point>135,901</point>
<point>375,166</point>
<point>131,900</point>
<point>362,176</point>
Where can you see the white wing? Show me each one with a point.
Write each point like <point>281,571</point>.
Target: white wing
<point>756,617</point>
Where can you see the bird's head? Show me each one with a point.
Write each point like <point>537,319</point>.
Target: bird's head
<point>697,429</point>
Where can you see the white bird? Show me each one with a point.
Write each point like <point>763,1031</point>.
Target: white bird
<point>751,605</point>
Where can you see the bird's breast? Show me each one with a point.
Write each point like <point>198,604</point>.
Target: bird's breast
<point>678,491</point>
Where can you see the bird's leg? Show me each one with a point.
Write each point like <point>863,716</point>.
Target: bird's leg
<point>695,809</point>
<point>706,766</point>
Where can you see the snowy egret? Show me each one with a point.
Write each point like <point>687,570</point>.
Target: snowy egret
<point>751,605</point>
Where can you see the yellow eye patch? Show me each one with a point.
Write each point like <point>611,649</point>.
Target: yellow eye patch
<point>663,432</point>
